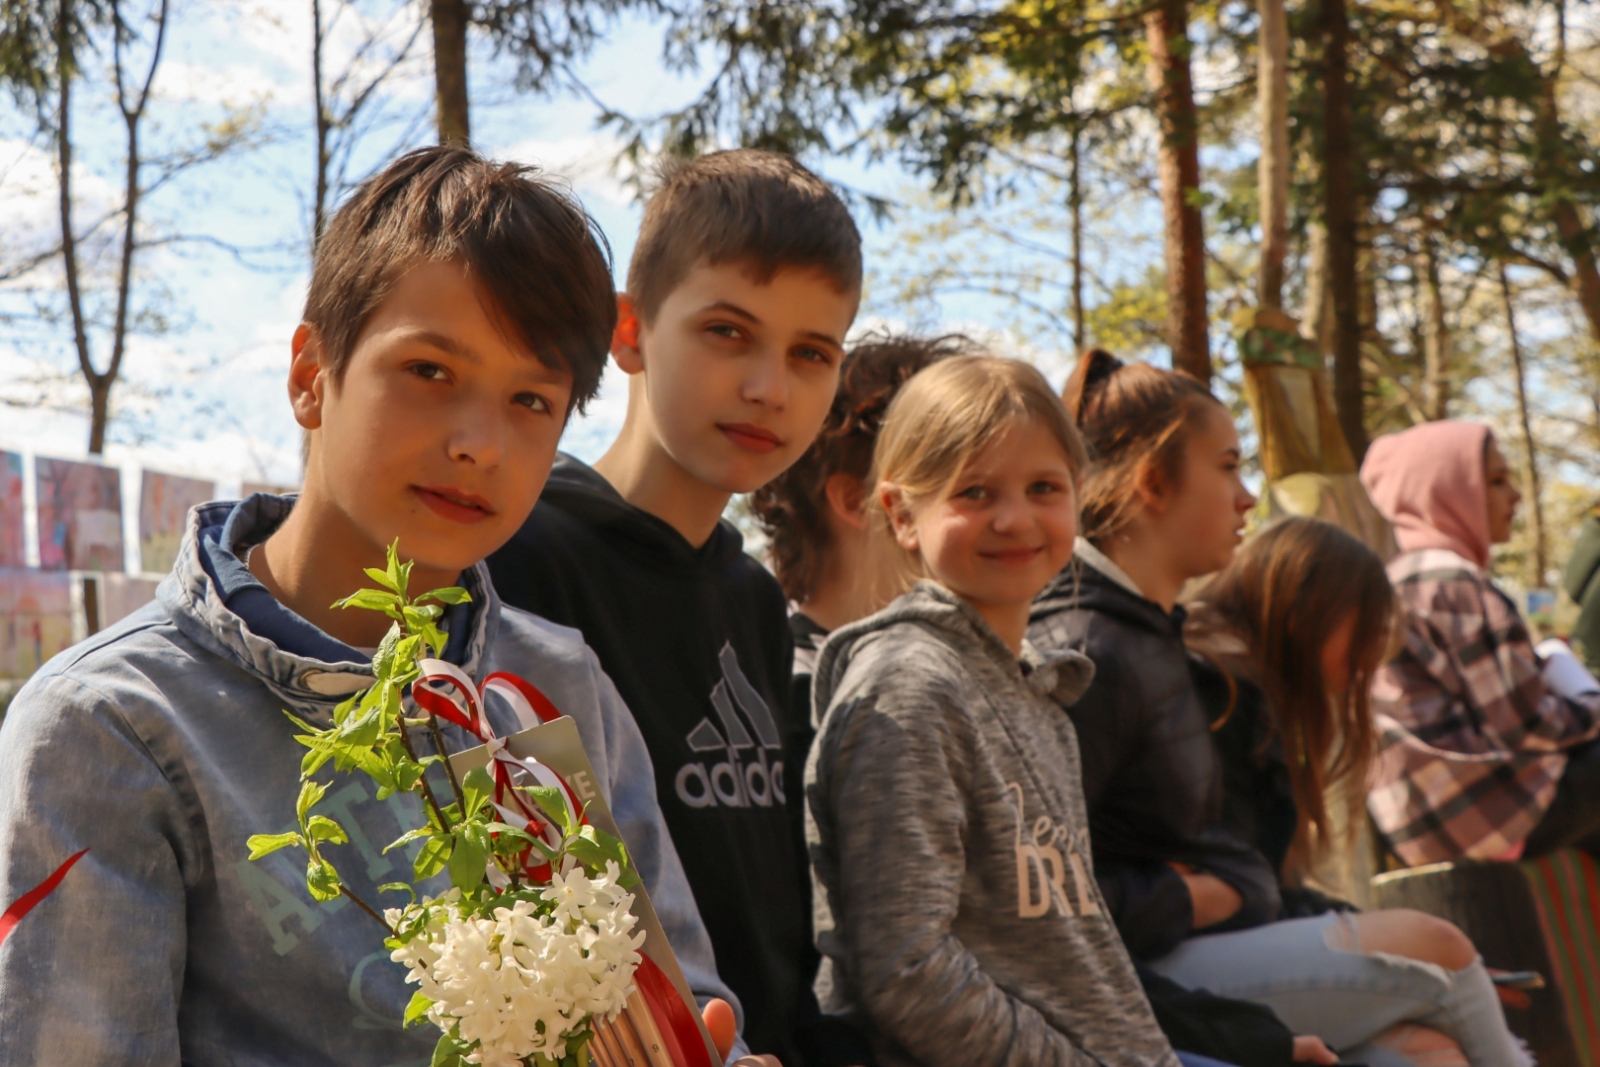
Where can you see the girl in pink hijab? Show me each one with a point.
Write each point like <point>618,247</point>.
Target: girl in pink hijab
<point>1469,710</point>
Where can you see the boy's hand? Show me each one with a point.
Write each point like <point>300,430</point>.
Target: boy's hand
<point>720,1024</point>
<point>1213,900</point>
<point>723,1028</point>
<point>1309,1049</point>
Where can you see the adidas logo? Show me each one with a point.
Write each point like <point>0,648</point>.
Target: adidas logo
<point>742,778</point>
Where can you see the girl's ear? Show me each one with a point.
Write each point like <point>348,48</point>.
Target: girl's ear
<point>847,499</point>
<point>901,520</point>
<point>1153,488</point>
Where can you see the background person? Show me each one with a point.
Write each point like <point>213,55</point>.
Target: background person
<point>957,920</point>
<point>1163,505</point>
<point>1488,744</point>
<point>816,516</point>
<point>1290,635</point>
<point>742,286</point>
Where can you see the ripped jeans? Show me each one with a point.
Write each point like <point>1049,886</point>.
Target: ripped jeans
<point>1313,974</point>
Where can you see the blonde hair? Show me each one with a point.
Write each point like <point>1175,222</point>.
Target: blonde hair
<point>942,420</point>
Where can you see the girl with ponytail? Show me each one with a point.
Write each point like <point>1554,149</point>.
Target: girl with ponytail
<point>1162,505</point>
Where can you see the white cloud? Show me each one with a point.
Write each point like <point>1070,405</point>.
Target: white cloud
<point>585,160</point>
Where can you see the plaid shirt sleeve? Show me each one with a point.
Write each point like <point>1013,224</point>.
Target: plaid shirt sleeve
<point>1472,742</point>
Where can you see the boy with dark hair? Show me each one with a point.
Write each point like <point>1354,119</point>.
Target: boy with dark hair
<point>744,282</point>
<point>433,373</point>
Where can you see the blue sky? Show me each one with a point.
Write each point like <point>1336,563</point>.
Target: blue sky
<point>207,397</point>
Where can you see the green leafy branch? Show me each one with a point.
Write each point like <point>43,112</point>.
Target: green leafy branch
<point>372,733</point>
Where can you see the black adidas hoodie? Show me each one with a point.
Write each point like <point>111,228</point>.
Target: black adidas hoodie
<point>697,642</point>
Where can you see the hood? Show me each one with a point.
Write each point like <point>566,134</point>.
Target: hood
<point>308,685</point>
<point>1081,586</point>
<point>1062,676</point>
<point>583,493</point>
<point>1428,481</point>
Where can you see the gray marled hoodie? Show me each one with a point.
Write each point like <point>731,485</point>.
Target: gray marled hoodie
<point>958,915</point>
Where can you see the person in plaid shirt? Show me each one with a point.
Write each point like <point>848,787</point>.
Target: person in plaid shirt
<point>1487,744</point>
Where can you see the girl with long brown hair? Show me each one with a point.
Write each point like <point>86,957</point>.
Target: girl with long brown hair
<point>1163,504</point>
<point>1290,635</point>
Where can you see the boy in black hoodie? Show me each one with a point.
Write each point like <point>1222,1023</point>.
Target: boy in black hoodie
<point>745,279</point>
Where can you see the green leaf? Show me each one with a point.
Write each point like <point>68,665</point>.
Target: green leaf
<point>507,830</point>
<point>407,774</point>
<point>383,658</point>
<point>433,636</point>
<point>322,828</point>
<point>402,571</point>
<point>449,1052</point>
<point>395,887</point>
<point>342,711</point>
<point>409,836</point>
<point>432,857</point>
<point>322,880</point>
<point>593,848</point>
<point>267,844</point>
<point>476,788</point>
<point>382,578</point>
<point>452,594</point>
<point>417,1009</point>
<point>552,803</point>
<point>322,750</point>
<point>469,856</point>
<point>399,574</point>
<point>370,600</point>
<point>310,794</point>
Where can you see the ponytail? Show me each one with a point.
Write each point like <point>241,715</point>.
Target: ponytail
<point>1135,420</point>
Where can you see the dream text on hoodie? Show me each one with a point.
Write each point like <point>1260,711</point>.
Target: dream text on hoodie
<point>160,746</point>
<point>958,914</point>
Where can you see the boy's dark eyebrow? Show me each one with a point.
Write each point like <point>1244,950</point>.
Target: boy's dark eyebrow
<point>735,309</point>
<point>825,338</point>
<point>446,343</point>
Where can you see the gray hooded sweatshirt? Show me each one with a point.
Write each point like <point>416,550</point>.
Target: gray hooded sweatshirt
<point>160,745</point>
<point>957,911</point>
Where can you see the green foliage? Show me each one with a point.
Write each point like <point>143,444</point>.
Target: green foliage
<point>372,733</point>
<point>40,42</point>
<point>940,85</point>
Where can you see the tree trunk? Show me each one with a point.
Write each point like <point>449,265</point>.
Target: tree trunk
<point>1316,314</point>
<point>1167,31</point>
<point>450,70</point>
<point>1080,333</point>
<point>319,207</point>
<point>1339,212</point>
<point>1585,276</point>
<point>99,412</point>
<point>64,75</point>
<point>1435,337</point>
<point>1272,92</point>
<point>1541,560</point>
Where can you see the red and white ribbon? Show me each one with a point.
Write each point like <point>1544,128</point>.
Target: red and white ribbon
<point>447,691</point>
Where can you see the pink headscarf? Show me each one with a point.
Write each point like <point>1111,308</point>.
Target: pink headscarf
<point>1428,481</point>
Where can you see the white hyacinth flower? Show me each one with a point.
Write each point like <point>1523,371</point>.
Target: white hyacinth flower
<point>524,981</point>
